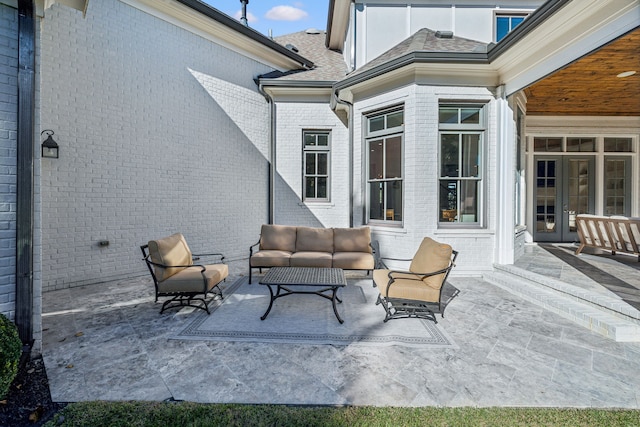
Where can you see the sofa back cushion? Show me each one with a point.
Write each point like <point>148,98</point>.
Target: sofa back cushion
<point>172,250</point>
<point>431,256</point>
<point>278,237</point>
<point>352,239</point>
<point>314,239</point>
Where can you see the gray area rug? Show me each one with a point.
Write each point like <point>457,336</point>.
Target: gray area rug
<point>309,319</point>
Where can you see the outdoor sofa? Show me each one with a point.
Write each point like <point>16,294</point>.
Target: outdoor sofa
<point>611,233</point>
<point>292,246</point>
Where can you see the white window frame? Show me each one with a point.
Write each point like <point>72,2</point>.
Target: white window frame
<point>315,150</point>
<point>384,134</point>
<point>507,14</point>
<point>455,219</point>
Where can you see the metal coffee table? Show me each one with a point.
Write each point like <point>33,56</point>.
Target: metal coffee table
<point>284,281</point>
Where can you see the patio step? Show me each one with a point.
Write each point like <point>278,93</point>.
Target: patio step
<point>600,313</point>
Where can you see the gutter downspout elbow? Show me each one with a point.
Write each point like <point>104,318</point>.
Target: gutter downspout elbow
<point>272,150</point>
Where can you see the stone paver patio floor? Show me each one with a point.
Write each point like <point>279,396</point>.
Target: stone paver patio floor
<point>108,342</point>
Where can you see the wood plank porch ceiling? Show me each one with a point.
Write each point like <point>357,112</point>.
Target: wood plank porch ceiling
<point>589,86</point>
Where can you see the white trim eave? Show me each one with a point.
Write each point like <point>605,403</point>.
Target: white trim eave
<point>436,74</point>
<point>299,93</point>
<point>563,125</point>
<point>573,31</point>
<point>184,17</point>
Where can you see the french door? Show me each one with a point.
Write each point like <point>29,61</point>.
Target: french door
<point>564,188</point>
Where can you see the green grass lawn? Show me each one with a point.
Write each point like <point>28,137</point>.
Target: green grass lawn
<point>191,414</point>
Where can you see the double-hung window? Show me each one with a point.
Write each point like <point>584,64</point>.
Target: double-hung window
<point>462,134</point>
<point>383,140</point>
<point>316,161</point>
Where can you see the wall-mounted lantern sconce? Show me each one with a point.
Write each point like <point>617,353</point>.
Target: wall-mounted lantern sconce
<point>49,146</point>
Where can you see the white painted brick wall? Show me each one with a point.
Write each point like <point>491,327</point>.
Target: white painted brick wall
<point>147,147</point>
<point>292,119</point>
<point>476,246</point>
<point>8,156</point>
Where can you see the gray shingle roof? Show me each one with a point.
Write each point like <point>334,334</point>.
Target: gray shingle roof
<point>424,40</point>
<point>329,65</point>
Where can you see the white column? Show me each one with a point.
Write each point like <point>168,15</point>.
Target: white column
<point>505,175</point>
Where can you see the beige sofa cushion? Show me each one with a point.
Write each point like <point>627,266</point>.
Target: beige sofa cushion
<point>278,237</point>
<point>311,259</point>
<point>352,239</point>
<point>405,288</point>
<point>431,256</point>
<point>190,279</point>
<point>270,258</point>
<point>172,250</point>
<point>353,260</point>
<point>314,240</point>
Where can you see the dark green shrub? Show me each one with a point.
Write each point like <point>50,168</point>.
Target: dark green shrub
<point>10,351</point>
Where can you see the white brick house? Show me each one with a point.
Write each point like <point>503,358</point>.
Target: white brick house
<point>172,116</point>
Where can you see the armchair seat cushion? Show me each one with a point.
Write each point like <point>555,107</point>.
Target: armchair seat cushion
<point>171,250</point>
<point>190,279</point>
<point>403,287</point>
<point>270,258</point>
<point>431,256</point>
<point>311,259</point>
<point>353,260</point>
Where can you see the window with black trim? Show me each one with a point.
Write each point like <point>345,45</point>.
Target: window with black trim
<point>383,140</point>
<point>316,165</point>
<point>462,134</point>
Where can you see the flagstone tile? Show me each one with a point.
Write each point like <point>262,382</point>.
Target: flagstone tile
<point>126,379</point>
<point>623,369</point>
<point>600,387</point>
<point>573,354</point>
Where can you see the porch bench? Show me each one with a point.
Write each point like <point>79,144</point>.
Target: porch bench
<point>611,233</point>
<point>297,246</point>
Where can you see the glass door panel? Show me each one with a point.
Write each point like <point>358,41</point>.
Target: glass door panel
<point>617,190</point>
<point>547,199</point>
<point>564,188</point>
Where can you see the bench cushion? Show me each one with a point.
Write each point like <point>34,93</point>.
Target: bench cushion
<point>353,260</point>
<point>352,239</point>
<point>171,250</point>
<point>314,239</point>
<point>311,259</point>
<point>431,256</point>
<point>278,237</point>
<point>190,279</point>
<point>270,258</point>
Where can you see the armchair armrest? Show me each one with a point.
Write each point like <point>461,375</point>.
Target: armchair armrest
<point>253,246</point>
<point>196,257</point>
<point>203,268</point>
